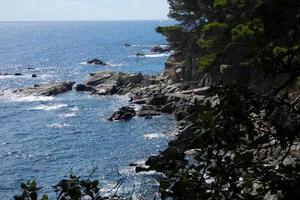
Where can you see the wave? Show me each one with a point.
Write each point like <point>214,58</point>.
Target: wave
<point>57,125</point>
<point>84,63</point>
<point>157,55</point>
<point>109,64</point>
<point>151,136</point>
<point>114,65</point>
<point>13,97</point>
<point>67,115</point>
<point>50,107</point>
<point>15,77</point>
<point>74,109</point>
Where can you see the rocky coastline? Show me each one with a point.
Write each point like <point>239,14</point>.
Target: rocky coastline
<point>168,93</point>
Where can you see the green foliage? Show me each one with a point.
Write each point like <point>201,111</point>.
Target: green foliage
<point>240,29</point>
<point>175,35</point>
<point>234,143</point>
<point>206,61</point>
<point>29,192</point>
<point>73,188</point>
<point>220,3</point>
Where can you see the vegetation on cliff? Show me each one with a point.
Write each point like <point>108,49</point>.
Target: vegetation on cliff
<point>247,145</point>
<point>261,33</point>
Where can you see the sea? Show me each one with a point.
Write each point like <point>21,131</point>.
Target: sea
<point>48,138</point>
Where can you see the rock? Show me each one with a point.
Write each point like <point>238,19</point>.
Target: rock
<point>96,61</point>
<point>160,49</point>
<point>139,54</point>
<point>197,91</point>
<point>81,87</point>
<point>50,89</point>
<point>140,101</point>
<point>132,78</point>
<point>169,108</point>
<point>147,111</point>
<point>98,78</point>
<point>33,75</point>
<point>180,116</point>
<point>109,83</point>
<point>142,168</point>
<point>124,113</point>
<point>157,99</point>
<point>6,74</point>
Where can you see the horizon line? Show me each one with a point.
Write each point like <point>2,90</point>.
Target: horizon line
<point>86,20</point>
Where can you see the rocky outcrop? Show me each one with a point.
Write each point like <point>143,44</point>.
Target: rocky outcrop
<point>96,61</point>
<point>50,89</point>
<point>160,49</point>
<point>124,113</point>
<point>174,69</point>
<point>139,54</point>
<point>8,74</point>
<point>110,83</point>
<point>149,111</point>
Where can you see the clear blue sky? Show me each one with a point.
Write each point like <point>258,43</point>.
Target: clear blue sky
<point>32,10</point>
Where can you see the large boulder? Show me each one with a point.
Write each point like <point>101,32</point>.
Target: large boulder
<point>100,83</point>
<point>50,89</point>
<point>109,83</point>
<point>96,79</point>
<point>124,113</point>
<point>131,78</point>
<point>82,87</point>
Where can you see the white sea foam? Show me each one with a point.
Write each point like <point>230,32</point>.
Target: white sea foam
<point>49,107</point>
<point>13,97</point>
<point>84,63</point>
<point>15,77</point>
<point>109,64</point>
<point>151,136</point>
<point>7,77</point>
<point>114,65</point>
<point>67,115</point>
<point>157,55</point>
<point>75,109</point>
<point>57,125</point>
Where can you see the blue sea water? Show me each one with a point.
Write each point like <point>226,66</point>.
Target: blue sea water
<point>44,138</point>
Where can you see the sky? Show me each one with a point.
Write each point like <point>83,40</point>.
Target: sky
<point>62,10</point>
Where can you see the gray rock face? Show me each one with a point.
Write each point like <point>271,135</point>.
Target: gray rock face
<point>50,89</point>
<point>158,99</point>
<point>160,49</point>
<point>109,83</point>
<point>149,111</point>
<point>82,87</point>
<point>124,113</point>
